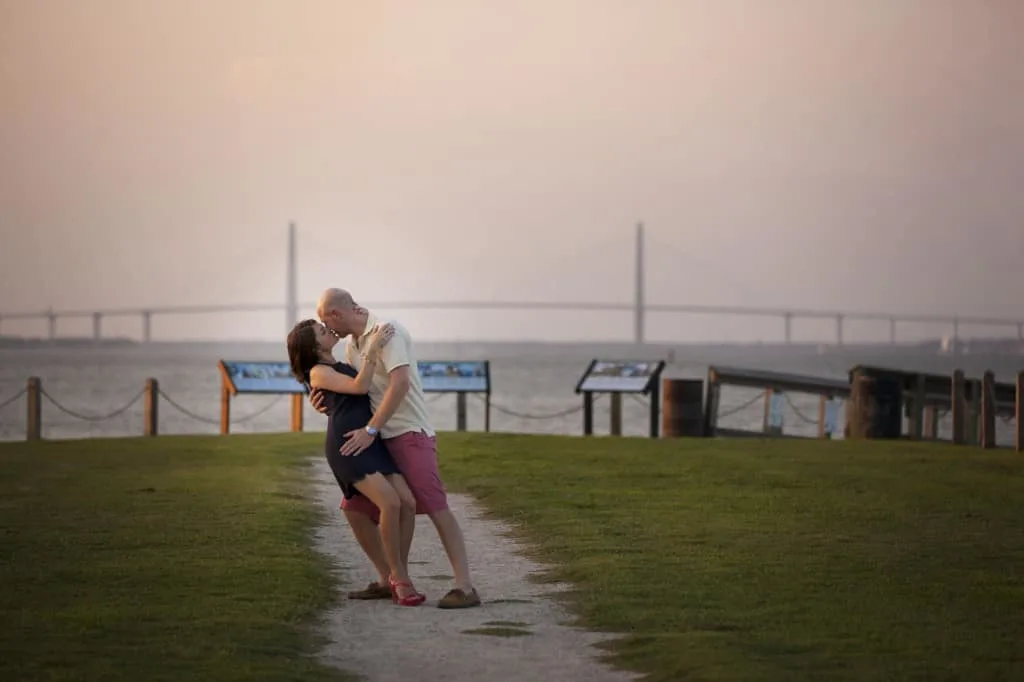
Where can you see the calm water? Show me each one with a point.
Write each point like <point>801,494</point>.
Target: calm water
<point>531,384</point>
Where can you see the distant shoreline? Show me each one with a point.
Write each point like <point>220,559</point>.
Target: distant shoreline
<point>67,341</point>
<point>654,349</point>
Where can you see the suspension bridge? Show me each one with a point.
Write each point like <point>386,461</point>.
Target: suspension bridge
<point>639,307</point>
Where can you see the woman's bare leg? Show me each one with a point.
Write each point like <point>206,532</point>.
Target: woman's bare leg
<point>407,515</point>
<point>379,490</point>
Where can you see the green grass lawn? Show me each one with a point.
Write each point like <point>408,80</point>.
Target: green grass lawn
<point>773,560</point>
<point>181,558</point>
<point>189,557</point>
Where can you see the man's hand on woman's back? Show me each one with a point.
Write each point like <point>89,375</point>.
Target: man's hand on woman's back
<point>316,399</point>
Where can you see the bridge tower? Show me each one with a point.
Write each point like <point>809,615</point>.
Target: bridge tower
<point>638,303</point>
<point>292,292</point>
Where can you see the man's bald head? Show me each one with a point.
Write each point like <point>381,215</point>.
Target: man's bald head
<point>334,299</point>
<point>339,312</point>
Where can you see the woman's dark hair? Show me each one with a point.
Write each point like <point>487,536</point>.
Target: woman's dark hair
<point>303,353</point>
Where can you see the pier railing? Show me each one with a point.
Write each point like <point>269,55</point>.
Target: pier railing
<point>877,402</point>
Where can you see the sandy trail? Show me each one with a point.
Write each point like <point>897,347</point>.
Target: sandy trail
<point>386,643</point>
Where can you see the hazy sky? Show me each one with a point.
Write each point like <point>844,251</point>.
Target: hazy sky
<point>813,153</point>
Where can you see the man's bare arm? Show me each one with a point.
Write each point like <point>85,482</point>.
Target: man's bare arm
<point>398,387</point>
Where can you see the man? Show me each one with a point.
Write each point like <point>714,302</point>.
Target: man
<point>400,418</point>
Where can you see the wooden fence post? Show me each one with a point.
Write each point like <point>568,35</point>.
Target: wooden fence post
<point>225,409</point>
<point>822,411</point>
<point>34,418</point>
<point>987,437</point>
<point>150,408</point>
<point>295,412</point>
<point>860,409</point>
<point>973,412</point>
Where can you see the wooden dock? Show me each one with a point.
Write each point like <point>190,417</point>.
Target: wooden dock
<point>877,401</point>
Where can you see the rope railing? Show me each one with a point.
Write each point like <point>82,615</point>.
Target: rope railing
<point>533,416</point>
<point>796,410</point>
<point>14,398</point>
<point>206,420</point>
<point>739,408</point>
<point>138,396</point>
<point>94,417</point>
<point>151,396</point>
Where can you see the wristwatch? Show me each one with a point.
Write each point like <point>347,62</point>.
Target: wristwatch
<point>370,430</point>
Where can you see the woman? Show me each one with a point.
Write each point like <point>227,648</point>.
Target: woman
<point>372,472</point>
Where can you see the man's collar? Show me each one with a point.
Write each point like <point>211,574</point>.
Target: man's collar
<point>371,322</point>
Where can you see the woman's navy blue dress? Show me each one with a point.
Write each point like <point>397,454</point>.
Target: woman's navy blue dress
<point>346,413</point>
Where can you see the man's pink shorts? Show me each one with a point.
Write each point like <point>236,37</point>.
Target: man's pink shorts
<point>415,453</point>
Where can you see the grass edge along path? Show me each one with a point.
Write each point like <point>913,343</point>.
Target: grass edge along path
<point>771,559</point>
<point>161,559</point>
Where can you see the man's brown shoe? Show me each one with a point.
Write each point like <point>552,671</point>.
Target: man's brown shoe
<point>457,599</point>
<point>373,591</point>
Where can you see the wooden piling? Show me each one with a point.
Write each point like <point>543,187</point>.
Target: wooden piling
<point>682,413</point>
<point>931,422</point>
<point>860,409</point>
<point>958,408</point>
<point>973,410</point>
<point>150,408</point>
<point>917,409</point>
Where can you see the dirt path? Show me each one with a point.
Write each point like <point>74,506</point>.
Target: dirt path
<point>386,643</point>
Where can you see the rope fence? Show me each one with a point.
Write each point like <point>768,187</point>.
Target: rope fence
<point>533,416</point>
<point>94,417</point>
<point>151,396</point>
<point>739,408</point>
<point>206,420</point>
<point>995,403</point>
<point>796,410</point>
<point>14,398</point>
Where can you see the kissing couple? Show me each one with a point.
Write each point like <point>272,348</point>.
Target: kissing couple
<point>380,443</point>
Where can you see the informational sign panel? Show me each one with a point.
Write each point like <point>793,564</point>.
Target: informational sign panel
<point>455,377</point>
<point>260,377</point>
<point>620,376</point>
